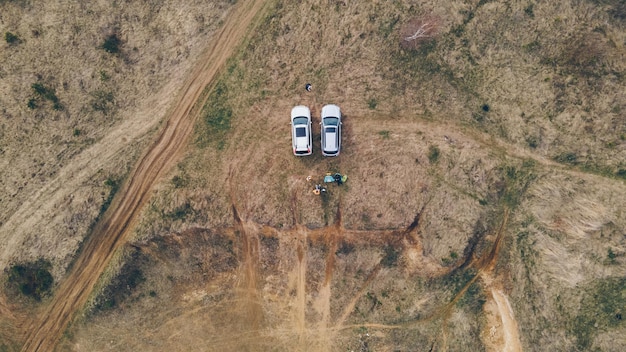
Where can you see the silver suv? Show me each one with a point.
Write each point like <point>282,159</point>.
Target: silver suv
<point>301,130</point>
<point>331,130</point>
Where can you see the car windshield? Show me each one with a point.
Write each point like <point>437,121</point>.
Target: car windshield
<point>300,132</point>
<point>331,121</point>
<point>331,130</point>
<point>300,120</point>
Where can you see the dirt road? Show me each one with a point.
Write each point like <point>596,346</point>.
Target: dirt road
<point>112,231</point>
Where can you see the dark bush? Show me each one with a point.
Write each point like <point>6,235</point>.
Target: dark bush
<point>433,154</point>
<point>32,279</point>
<point>11,38</point>
<point>112,44</point>
<point>45,93</point>
<point>567,158</point>
<point>391,257</point>
<point>124,284</point>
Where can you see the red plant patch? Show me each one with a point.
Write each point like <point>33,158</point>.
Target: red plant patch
<point>418,31</point>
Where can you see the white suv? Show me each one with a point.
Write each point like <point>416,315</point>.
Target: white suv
<point>301,130</point>
<point>331,130</point>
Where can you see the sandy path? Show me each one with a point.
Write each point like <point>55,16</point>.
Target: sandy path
<point>501,314</point>
<point>112,231</point>
<point>509,324</point>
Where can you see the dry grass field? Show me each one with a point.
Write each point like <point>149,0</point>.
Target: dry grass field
<point>486,194</point>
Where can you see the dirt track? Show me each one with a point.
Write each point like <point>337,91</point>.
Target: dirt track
<point>112,231</point>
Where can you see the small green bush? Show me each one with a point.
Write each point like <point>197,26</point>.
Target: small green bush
<point>11,38</point>
<point>384,134</point>
<point>529,10</point>
<point>32,104</point>
<point>114,185</point>
<point>567,158</point>
<point>111,44</point>
<point>372,103</point>
<point>44,93</point>
<point>179,181</point>
<point>433,154</point>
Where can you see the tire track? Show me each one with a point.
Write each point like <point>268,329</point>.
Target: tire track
<point>110,233</point>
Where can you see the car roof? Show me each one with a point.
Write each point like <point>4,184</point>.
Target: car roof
<point>330,139</point>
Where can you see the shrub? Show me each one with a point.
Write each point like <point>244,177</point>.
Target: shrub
<point>567,158</point>
<point>32,104</point>
<point>45,93</point>
<point>433,154</point>
<point>11,38</point>
<point>32,279</point>
<point>111,44</point>
<point>391,257</point>
<point>372,103</point>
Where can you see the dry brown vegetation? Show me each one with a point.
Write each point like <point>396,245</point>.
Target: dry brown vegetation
<point>484,207</point>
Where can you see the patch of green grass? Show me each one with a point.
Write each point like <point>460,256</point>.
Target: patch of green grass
<point>384,134</point>
<point>390,258</point>
<point>372,103</point>
<point>473,299</point>
<point>102,101</point>
<point>387,25</point>
<point>181,212</point>
<point>104,76</point>
<point>114,186</point>
<point>33,279</point>
<point>602,308</point>
<point>451,259</point>
<point>516,180</point>
<point>216,117</point>
<point>455,281</point>
<point>532,47</point>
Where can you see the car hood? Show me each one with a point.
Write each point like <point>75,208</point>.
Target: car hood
<point>331,111</point>
<point>300,111</point>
